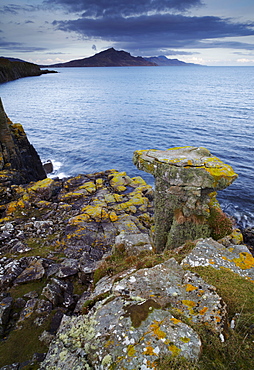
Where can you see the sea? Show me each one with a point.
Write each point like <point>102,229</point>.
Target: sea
<point>87,120</point>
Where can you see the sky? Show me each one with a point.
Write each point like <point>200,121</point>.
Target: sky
<point>209,32</point>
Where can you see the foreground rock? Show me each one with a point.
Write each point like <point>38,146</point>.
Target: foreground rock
<point>186,181</point>
<point>132,320</point>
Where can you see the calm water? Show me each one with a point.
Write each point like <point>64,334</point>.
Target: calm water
<point>92,119</point>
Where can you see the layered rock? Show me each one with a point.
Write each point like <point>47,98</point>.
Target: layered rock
<point>19,161</point>
<point>186,181</point>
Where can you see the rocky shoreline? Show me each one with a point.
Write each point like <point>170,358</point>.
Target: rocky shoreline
<point>82,286</point>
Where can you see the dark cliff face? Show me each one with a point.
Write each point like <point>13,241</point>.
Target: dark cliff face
<point>19,161</point>
<point>12,70</point>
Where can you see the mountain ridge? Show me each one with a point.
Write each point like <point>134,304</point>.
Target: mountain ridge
<point>116,58</point>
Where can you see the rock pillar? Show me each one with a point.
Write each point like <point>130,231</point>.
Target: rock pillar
<point>186,181</point>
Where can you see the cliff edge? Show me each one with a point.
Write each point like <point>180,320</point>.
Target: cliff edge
<point>19,161</point>
<point>13,70</point>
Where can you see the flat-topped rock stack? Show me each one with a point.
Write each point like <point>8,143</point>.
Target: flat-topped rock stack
<point>186,181</point>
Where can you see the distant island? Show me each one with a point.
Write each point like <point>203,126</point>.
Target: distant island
<point>12,69</point>
<point>115,58</point>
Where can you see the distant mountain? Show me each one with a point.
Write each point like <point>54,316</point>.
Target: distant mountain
<point>164,61</point>
<point>107,58</point>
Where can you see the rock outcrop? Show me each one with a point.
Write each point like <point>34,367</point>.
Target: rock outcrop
<point>186,181</point>
<point>13,70</point>
<point>19,161</point>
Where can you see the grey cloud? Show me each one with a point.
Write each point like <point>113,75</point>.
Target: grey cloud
<point>160,31</point>
<point>98,8</point>
<point>17,46</point>
<point>15,9</point>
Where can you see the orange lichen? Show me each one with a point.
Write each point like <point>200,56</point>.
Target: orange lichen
<point>175,321</point>
<point>160,334</point>
<point>190,288</point>
<point>203,310</point>
<point>149,351</point>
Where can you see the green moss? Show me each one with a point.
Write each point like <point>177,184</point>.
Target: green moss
<point>139,312</point>
<point>11,349</point>
<point>219,223</point>
<point>179,363</point>
<point>18,291</point>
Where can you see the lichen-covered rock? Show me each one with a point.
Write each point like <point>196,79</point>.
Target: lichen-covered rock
<point>185,183</point>
<point>133,244</point>
<point>236,258</point>
<point>122,334</point>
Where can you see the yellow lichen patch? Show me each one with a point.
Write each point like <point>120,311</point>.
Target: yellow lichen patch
<point>137,181</point>
<point>224,258</point>
<point>175,321</point>
<point>160,334</point>
<point>113,216</point>
<point>211,262</point>
<point>203,310</point>
<point>218,170</point>
<point>70,196</point>
<point>41,184</point>
<point>119,181</point>
<point>14,206</point>
<point>43,204</point>
<point>120,188</point>
<point>99,183</point>
<point>131,350</point>
<point>80,218</point>
<point>89,186</point>
<point>190,288</point>
<point>185,339</point>
<point>174,350</point>
<point>189,303</point>
<point>245,261</point>
<point>96,212</point>
<point>109,343</point>
<point>109,198</point>
<point>236,236</point>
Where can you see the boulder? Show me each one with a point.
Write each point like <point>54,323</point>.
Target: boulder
<point>111,336</point>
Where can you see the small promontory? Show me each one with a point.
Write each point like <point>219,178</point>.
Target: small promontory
<point>13,70</point>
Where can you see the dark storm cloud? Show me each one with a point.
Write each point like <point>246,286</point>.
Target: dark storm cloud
<point>159,31</point>
<point>98,8</point>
